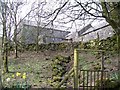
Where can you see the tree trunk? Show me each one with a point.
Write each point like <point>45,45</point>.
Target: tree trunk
<point>118,47</point>
<point>113,18</point>
<point>15,38</point>
<point>4,38</point>
<point>5,47</point>
<point>16,49</point>
<point>9,33</point>
<point>5,56</point>
<point>37,40</point>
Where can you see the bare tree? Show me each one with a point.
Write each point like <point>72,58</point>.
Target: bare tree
<point>9,14</point>
<point>15,8</point>
<point>14,11</point>
<point>111,11</point>
<point>77,11</point>
<point>4,13</point>
<point>81,12</point>
<point>38,20</point>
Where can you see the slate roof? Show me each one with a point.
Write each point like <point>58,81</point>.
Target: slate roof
<point>103,33</point>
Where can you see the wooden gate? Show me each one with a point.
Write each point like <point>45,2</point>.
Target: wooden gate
<point>87,79</point>
<point>92,79</point>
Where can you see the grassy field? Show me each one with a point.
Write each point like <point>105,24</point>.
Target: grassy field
<point>37,67</point>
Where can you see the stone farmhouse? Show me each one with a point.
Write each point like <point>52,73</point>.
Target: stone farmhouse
<point>49,35</point>
<point>29,32</point>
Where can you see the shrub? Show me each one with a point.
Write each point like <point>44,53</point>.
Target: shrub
<point>107,83</point>
<point>59,68</point>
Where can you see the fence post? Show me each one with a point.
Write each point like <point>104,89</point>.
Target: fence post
<point>102,61</point>
<point>102,69</point>
<point>75,69</point>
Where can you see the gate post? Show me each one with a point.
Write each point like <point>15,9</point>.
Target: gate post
<point>75,69</point>
<point>102,69</point>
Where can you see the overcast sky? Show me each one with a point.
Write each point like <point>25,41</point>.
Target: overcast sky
<point>51,6</point>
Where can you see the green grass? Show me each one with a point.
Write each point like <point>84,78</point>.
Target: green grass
<point>38,71</point>
<point>38,68</point>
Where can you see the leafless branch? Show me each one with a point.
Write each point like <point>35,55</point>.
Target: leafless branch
<point>95,30</point>
<point>58,10</point>
<point>88,11</point>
